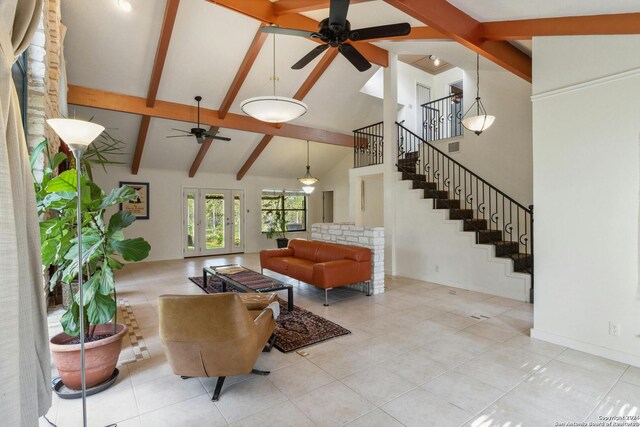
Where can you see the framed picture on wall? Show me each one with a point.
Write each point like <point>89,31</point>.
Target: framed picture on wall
<point>140,206</point>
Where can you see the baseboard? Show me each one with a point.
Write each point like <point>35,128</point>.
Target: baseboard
<point>618,356</point>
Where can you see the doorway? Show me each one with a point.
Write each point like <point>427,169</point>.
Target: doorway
<point>327,206</point>
<point>213,221</point>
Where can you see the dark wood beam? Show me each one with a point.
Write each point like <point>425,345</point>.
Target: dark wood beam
<point>96,98</point>
<point>170,12</point>
<point>525,29</point>
<point>254,156</point>
<point>457,25</point>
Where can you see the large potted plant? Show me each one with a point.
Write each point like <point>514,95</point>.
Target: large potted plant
<point>104,246</point>
<point>277,227</point>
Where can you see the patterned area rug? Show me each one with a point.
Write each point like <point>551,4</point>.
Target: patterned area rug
<point>294,330</point>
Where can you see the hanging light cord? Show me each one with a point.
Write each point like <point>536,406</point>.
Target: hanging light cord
<point>274,65</point>
<point>307,155</point>
<point>478,81</point>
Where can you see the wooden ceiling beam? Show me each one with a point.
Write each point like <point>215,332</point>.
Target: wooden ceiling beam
<point>202,152</point>
<point>282,7</point>
<point>457,25</point>
<point>418,33</point>
<point>169,19</point>
<point>525,29</point>
<point>264,11</point>
<point>304,89</point>
<point>96,98</point>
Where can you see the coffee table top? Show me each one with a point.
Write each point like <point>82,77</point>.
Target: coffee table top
<point>246,279</point>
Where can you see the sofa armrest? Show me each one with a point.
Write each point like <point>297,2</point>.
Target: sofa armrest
<point>273,253</point>
<point>336,273</point>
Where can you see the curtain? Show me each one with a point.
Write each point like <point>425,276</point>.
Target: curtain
<point>25,370</point>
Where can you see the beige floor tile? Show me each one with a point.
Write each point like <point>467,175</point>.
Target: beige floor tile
<point>455,321</point>
<point>333,404</point>
<point>115,404</point>
<point>622,401</point>
<point>576,377</point>
<point>516,359</point>
<point>428,330</point>
<point>593,363</point>
<point>415,366</point>
<point>197,411</point>
<point>448,353</point>
<point>339,365</point>
<point>299,378</point>
<point>631,376</point>
<point>248,397</point>
<point>517,412</point>
<point>164,391</point>
<point>377,384</point>
<point>473,343</point>
<point>493,373</point>
<point>274,360</point>
<point>491,332</point>
<point>526,343</point>
<point>463,391</point>
<point>377,418</point>
<point>151,369</point>
<point>421,408</point>
<point>131,422</point>
<point>284,414</point>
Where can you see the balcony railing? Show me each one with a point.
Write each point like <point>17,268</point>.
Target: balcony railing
<point>368,145</point>
<point>442,118</point>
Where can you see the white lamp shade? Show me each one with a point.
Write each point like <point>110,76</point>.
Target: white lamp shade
<point>308,189</point>
<point>75,132</point>
<point>308,181</point>
<point>273,109</point>
<point>478,124</point>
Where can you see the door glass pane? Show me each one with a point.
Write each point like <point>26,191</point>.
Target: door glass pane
<point>215,221</point>
<point>191,221</point>
<point>236,219</point>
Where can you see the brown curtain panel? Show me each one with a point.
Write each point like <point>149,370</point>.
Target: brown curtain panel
<point>25,367</point>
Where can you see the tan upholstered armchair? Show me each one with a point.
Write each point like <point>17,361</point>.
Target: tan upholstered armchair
<point>215,335</point>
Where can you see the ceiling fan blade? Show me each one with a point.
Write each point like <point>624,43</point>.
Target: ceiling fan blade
<point>380,32</point>
<point>289,32</point>
<point>354,57</point>
<point>178,136</point>
<point>338,13</point>
<point>309,57</point>
<point>180,130</point>
<point>221,138</point>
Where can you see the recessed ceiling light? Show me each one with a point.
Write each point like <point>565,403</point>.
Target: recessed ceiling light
<point>125,5</point>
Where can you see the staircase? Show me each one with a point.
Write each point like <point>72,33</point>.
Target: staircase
<point>495,218</point>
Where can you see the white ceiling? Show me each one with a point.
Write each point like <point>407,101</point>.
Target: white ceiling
<point>506,10</point>
<point>111,50</point>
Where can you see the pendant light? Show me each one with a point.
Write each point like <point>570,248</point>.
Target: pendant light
<point>272,108</point>
<point>481,120</point>
<point>308,180</point>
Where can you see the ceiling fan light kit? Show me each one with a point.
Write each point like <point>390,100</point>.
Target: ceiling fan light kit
<point>481,121</point>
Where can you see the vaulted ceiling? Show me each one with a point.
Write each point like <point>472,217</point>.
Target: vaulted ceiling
<point>137,72</point>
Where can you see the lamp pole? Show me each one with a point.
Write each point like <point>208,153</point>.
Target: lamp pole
<point>78,135</point>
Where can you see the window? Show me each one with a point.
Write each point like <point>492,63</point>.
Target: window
<point>294,203</point>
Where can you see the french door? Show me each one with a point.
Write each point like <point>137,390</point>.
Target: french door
<point>213,221</point>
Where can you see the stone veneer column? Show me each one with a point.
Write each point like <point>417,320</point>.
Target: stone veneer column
<point>350,234</point>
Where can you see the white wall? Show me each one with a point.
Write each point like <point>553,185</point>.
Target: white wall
<point>434,248</point>
<point>336,180</point>
<point>164,228</point>
<point>586,128</point>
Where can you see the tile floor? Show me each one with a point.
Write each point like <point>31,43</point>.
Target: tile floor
<point>415,357</point>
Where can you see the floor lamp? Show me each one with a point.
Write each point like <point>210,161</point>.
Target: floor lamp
<point>78,135</point>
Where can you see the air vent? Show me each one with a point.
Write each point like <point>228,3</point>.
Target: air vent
<point>454,147</point>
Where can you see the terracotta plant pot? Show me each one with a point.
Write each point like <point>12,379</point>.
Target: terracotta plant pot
<point>101,356</point>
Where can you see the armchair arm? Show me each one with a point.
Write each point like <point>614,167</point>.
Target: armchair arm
<point>265,325</point>
<point>255,301</point>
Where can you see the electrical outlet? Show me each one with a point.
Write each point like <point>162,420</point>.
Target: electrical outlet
<point>437,268</point>
<point>614,329</point>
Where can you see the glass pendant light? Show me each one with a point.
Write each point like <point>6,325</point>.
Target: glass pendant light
<point>481,121</point>
<point>308,180</point>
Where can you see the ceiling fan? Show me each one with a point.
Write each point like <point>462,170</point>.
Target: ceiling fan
<point>335,31</point>
<point>200,133</point>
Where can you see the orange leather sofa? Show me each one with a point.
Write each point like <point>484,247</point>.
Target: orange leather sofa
<point>322,264</point>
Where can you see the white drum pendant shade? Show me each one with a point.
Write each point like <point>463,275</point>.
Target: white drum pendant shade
<point>273,109</point>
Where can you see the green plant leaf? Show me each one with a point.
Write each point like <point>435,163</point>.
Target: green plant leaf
<point>49,252</point>
<point>57,159</point>
<point>120,220</point>
<point>107,282</point>
<point>66,181</point>
<point>117,196</point>
<point>89,289</point>
<point>69,320</point>
<point>132,249</point>
<point>101,309</point>
<point>36,152</point>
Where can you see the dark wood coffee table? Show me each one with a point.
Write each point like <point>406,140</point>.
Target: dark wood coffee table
<point>246,280</point>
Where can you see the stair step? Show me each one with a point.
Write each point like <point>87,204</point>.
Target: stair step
<point>505,248</point>
<point>521,262</point>
<point>489,236</point>
<point>407,162</point>
<point>475,224</point>
<point>413,176</point>
<point>425,185</point>
<point>413,155</point>
<point>436,194</point>
<point>460,213</point>
<point>447,204</point>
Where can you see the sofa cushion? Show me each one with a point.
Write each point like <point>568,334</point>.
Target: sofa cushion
<point>305,249</point>
<point>301,269</point>
<point>277,264</point>
<point>332,252</point>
